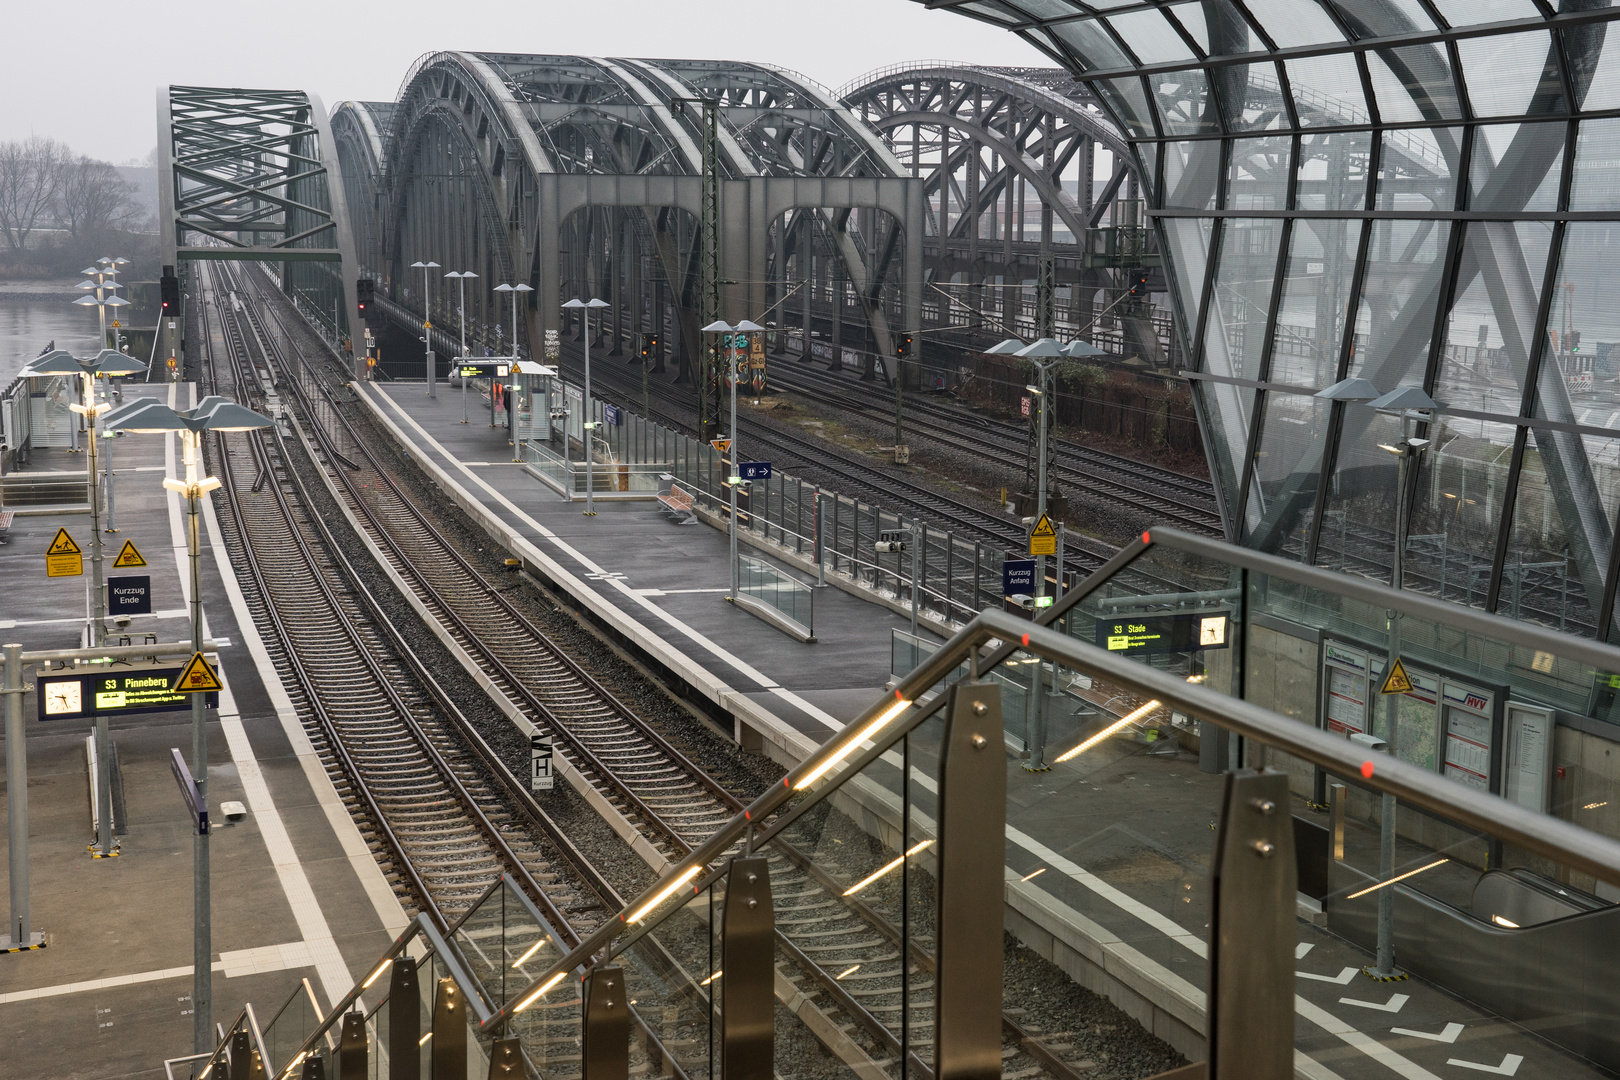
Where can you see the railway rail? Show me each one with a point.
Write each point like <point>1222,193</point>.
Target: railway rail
<point>673,801</point>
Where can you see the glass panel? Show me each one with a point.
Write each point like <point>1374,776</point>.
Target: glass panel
<point>1191,174</point>
<point>1151,37</point>
<point>1413,83</point>
<point>292,1025</point>
<point>1244,284</point>
<point>1498,286</point>
<point>1183,100</point>
<point>1188,256</point>
<point>1395,319</point>
<point>1597,82</point>
<point>1295,22</point>
<point>1531,166</point>
<point>675,981</point>
<point>1327,90</point>
<point>1383,18</point>
<point>1457,509</point>
<point>1226,412</point>
<point>1512,74</point>
<point>1558,554</point>
<point>1358,523</point>
<point>1415,169</point>
<point>1094,48</point>
<point>1258,175</point>
<point>1287,470</point>
<point>1471,12</point>
<point>1315,302</point>
<point>1129,103</point>
<point>1596,183</point>
<point>1250,98</point>
<point>1333,170</point>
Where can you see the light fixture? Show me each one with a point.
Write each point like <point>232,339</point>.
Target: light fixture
<point>382,967</point>
<point>868,879</point>
<point>1036,874</point>
<point>852,969</point>
<point>849,746</point>
<point>1349,390</point>
<point>1129,718</point>
<point>711,978</point>
<point>532,950</point>
<point>1509,923</point>
<point>547,985</point>
<point>666,892</point>
<point>1398,877</point>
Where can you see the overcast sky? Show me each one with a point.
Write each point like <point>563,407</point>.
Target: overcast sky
<point>88,77</point>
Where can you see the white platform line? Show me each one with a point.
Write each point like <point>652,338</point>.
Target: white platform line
<point>267,958</point>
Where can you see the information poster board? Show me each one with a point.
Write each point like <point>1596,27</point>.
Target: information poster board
<point>1470,742</point>
<point>1345,679</point>
<point>1527,770</point>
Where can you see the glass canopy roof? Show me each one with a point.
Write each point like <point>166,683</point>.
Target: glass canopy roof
<point>1415,192</point>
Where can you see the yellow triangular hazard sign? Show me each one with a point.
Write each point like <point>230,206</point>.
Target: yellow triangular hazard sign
<point>129,555</point>
<point>197,678</point>
<point>63,544</point>
<point>1043,527</point>
<point>1396,682</point>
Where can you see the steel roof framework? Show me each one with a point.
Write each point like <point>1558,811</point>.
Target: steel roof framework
<point>1410,191</point>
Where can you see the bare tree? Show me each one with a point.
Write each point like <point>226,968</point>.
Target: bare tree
<point>30,178</point>
<point>92,197</point>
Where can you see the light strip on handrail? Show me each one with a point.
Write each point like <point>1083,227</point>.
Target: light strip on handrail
<point>532,950</point>
<point>1129,718</point>
<point>1393,880</point>
<point>382,967</point>
<point>849,747</point>
<point>547,985</point>
<point>665,893</point>
<point>868,879</point>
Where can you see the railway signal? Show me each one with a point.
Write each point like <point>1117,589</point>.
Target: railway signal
<point>365,291</point>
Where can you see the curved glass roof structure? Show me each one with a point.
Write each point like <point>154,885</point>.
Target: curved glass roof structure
<point>1414,192</point>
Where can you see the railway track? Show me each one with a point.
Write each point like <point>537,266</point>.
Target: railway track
<point>676,805</point>
<point>1164,494</point>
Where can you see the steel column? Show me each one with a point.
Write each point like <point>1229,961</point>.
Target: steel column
<point>748,1016</point>
<point>605,1029</point>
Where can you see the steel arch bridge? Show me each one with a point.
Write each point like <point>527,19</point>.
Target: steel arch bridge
<point>585,176</point>
<point>1008,157</point>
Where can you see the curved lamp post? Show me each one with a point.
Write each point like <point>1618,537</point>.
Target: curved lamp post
<point>213,413</point>
<point>461,320</point>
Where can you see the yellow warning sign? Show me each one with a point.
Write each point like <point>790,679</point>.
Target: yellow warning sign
<point>197,678</point>
<point>129,555</point>
<point>1043,537</point>
<point>722,445</point>
<point>1397,682</point>
<point>63,558</point>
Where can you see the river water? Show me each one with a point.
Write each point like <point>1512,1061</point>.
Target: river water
<point>28,325</point>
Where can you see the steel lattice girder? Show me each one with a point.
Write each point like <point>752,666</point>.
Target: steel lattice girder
<point>244,175</point>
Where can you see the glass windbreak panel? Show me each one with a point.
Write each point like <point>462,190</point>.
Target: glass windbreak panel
<point>1583,331</point>
<point>1416,169</point>
<point>1226,411</point>
<point>1188,256</point>
<point>1395,320</point>
<point>1597,81</point>
<point>1327,90</point>
<point>1287,472</point>
<point>1517,166</point>
<point>1092,44</point>
<point>1244,283</point>
<point>1457,509</point>
<point>1512,74</point>
<point>292,1024</point>
<point>1413,84</point>
<point>1315,302</point>
<point>1250,97</point>
<point>1596,182</point>
<point>1151,37</point>
<point>1357,533</point>
<point>674,977</point>
<point>1128,99</point>
<point>1183,101</point>
<point>1471,12</point>
<point>1257,177</point>
<point>1333,170</point>
<point>1489,340</point>
<point>1289,23</point>
<point>1191,174</point>
<point>1558,552</point>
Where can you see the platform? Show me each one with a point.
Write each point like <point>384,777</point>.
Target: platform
<point>296,893</point>
<point>1131,843</point>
